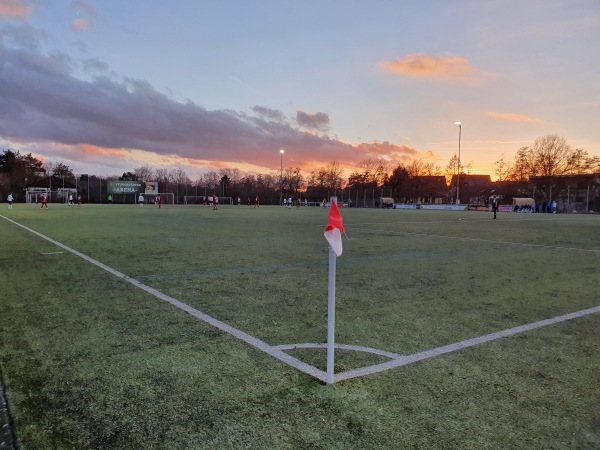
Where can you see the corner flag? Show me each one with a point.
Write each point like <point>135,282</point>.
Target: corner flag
<point>334,229</point>
<point>333,234</point>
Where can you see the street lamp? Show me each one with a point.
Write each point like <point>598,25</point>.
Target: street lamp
<point>282,151</point>
<point>458,173</point>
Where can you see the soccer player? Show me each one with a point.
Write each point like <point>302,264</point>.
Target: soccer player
<point>215,202</point>
<point>10,200</point>
<point>141,200</point>
<point>79,200</point>
<point>70,199</point>
<point>285,202</point>
<point>159,201</point>
<point>257,202</point>
<point>44,202</point>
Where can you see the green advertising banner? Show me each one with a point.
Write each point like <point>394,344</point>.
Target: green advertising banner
<point>125,187</point>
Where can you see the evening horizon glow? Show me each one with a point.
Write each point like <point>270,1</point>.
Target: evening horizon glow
<point>108,86</point>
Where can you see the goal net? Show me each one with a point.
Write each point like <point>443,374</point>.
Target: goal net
<point>34,195</point>
<point>206,200</point>
<point>167,197</point>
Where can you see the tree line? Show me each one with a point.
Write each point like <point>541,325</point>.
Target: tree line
<point>550,155</point>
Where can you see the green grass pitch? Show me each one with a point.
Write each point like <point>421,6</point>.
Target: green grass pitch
<point>89,360</point>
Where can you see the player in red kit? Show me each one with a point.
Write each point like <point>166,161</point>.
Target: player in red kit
<point>159,201</point>
<point>44,202</point>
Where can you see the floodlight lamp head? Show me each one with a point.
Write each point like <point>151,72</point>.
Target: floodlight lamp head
<point>282,151</point>
<point>457,123</point>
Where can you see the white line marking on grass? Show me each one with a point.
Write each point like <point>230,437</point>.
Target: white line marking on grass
<point>356,348</point>
<point>277,352</point>
<point>53,253</point>
<point>460,238</point>
<point>251,340</point>
<point>405,360</point>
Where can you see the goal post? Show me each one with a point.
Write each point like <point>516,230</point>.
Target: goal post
<point>206,199</point>
<point>34,195</point>
<point>168,197</point>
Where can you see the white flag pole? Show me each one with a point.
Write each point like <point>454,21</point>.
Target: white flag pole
<point>331,316</point>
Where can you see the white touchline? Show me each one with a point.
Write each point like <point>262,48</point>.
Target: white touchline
<point>396,360</point>
<point>254,342</point>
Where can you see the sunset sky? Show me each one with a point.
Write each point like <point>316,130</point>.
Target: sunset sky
<point>106,86</point>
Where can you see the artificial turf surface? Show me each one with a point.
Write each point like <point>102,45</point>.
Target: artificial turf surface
<point>90,361</point>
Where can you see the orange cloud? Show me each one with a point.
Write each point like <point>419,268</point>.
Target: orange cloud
<point>95,150</point>
<point>80,24</point>
<point>515,117</point>
<point>424,66</point>
<point>14,9</point>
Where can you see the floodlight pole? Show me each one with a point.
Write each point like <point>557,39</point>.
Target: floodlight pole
<point>282,151</point>
<point>458,172</point>
<point>331,317</point>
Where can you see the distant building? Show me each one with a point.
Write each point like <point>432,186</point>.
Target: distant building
<point>427,190</point>
<point>474,189</point>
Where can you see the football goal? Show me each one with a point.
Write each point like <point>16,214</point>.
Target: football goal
<point>34,195</point>
<point>168,198</point>
<point>206,200</point>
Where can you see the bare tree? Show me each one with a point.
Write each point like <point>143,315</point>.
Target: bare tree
<point>431,169</point>
<point>144,173</point>
<point>211,180</point>
<point>451,168</point>
<point>523,166</point>
<point>332,176</point>
<point>503,169</point>
<point>373,171</point>
<point>550,155</point>
<point>415,168</point>
<point>581,162</point>
<point>294,179</point>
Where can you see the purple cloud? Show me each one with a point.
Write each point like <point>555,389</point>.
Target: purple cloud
<point>43,101</point>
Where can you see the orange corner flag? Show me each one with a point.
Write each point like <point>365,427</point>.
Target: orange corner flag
<point>334,229</point>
